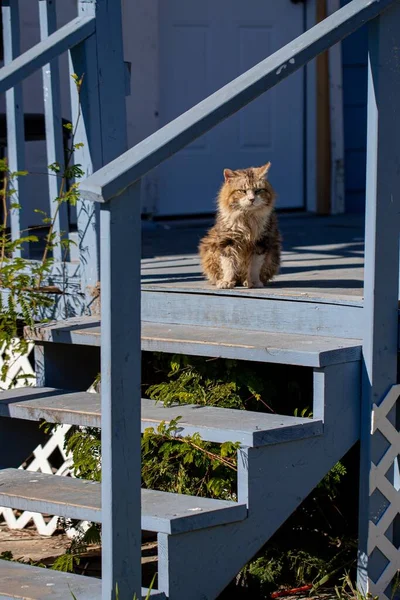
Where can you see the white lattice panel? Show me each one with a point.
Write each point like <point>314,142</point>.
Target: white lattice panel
<point>42,462</point>
<point>43,456</point>
<point>378,540</point>
<point>18,365</point>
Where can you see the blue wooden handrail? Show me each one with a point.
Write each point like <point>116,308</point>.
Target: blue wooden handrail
<point>58,42</point>
<point>112,179</point>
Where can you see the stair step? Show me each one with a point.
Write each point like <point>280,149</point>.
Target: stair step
<point>24,582</point>
<point>283,348</point>
<point>214,424</point>
<point>71,498</point>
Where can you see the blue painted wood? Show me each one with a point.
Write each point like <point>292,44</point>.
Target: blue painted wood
<point>111,73</point>
<point>44,584</point>
<point>355,82</point>
<point>54,132</point>
<point>214,424</point>
<point>261,346</point>
<point>355,126</point>
<point>120,393</point>
<point>381,252</point>
<point>244,312</point>
<point>112,179</point>
<point>355,46</point>
<point>354,53</point>
<point>355,177</point>
<point>120,356</point>
<point>19,579</point>
<point>15,117</point>
<point>102,126</point>
<point>60,366</point>
<point>87,125</point>
<point>273,481</point>
<point>79,499</point>
<point>45,51</point>
<point>241,312</point>
<point>27,433</point>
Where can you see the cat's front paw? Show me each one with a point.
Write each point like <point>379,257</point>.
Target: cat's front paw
<point>253,284</point>
<point>222,284</point>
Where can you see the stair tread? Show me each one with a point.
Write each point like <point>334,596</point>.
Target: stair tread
<point>214,424</point>
<point>283,348</point>
<point>25,582</point>
<point>163,512</point>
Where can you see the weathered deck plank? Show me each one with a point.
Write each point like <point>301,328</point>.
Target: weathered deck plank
<point>23,581</point>
<point>162,512</point>
<point>214,424</point>
<point>292,349</point>
<point>322,260</point>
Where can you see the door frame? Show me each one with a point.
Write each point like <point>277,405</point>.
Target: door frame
<point>334,203</point>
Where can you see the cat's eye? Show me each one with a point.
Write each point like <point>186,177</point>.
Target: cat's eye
<point>259,191</point>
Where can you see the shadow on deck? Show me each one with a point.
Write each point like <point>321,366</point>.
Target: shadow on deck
<point>322,259</point>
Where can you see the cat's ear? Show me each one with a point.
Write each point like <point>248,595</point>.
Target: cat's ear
<point>263,171</point>
<point>229,174</point>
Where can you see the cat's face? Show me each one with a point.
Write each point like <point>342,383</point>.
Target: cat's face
<point>247,190</point>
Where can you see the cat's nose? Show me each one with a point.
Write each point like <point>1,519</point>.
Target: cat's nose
<point>251,197</point>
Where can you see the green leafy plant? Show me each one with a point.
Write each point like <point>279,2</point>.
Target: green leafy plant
<point>79,545</point>
<point>188,465</point>
<point>24,293</point>
<point>348,591</point>
<point>84,444</point>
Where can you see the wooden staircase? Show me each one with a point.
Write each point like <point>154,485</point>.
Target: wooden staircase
<point>351,348</point>
<point>281,458</point>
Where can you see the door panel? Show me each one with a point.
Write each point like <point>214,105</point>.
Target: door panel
<point>202,47</point>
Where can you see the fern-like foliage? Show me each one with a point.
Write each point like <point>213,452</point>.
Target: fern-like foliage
<point>188,465</point>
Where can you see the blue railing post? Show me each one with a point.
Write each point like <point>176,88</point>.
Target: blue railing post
<point>103,130</point>
<point>102,123</point>
<point>379,500</point>
<point>120,394</point>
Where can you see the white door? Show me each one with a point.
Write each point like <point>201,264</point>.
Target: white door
<point>204,45</point>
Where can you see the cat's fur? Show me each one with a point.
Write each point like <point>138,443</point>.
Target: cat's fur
<point>244,245</point>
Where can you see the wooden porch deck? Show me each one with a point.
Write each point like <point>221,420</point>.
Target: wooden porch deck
<point>322,260</point>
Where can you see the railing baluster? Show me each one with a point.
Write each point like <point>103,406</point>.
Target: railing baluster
<point>381,295</point>
<point>87,126</point>
<point>15,117</point>
<point>53,121</point>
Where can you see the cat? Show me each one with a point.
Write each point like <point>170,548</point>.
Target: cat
<point>244,245</point>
